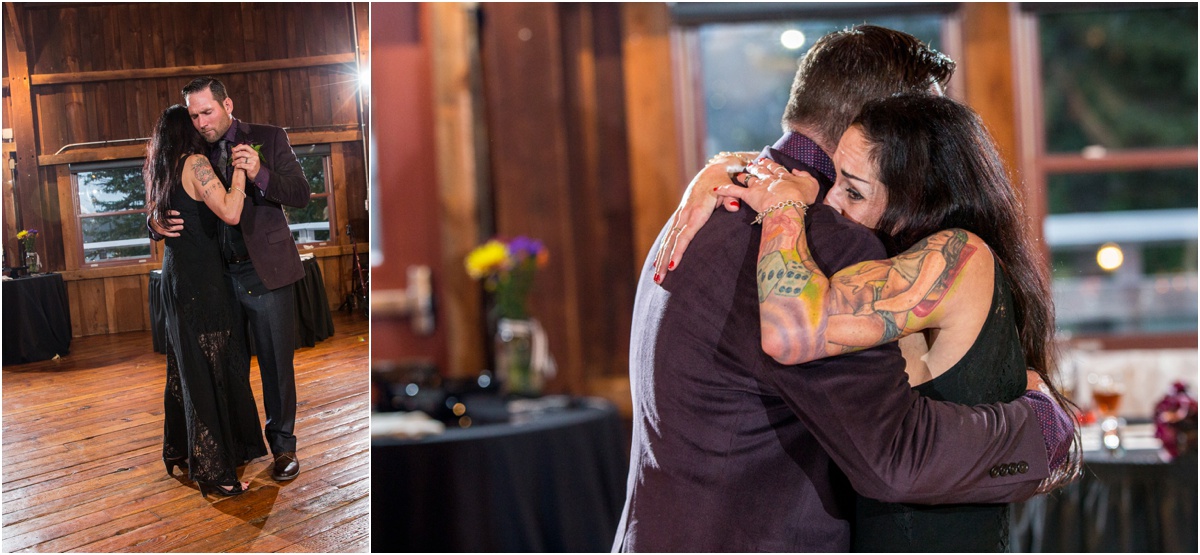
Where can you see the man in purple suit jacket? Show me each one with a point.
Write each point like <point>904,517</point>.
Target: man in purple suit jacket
<point>734,452</point>
<point>260,254</point>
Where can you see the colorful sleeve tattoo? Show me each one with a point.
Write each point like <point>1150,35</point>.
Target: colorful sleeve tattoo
<point>863,305</point>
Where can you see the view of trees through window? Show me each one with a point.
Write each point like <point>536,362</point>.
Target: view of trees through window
<point>1123,240</point>
<point>1119,79</point>
<point>311,223</point>
<point>112,212</point>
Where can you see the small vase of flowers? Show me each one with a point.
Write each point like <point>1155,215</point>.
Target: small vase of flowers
<point>28,240</point>
<point>507,269</point>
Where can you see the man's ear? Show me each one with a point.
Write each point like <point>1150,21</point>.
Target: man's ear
<point>228,104</point>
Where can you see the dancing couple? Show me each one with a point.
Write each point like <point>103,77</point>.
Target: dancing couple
<point>216,187</point>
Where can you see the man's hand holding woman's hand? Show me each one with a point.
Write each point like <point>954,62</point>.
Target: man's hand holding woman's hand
<point>244,157</point>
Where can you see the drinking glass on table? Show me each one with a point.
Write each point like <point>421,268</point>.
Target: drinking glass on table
<point>1107,390</point>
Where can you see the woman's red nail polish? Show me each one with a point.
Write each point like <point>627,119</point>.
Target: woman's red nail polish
<point>736,204</point>
<point>655,278</point>
<point>671,266</point>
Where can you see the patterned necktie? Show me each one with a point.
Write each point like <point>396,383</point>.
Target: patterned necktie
<point>223,159</point>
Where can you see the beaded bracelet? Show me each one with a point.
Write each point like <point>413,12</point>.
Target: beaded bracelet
<point>784,204</point>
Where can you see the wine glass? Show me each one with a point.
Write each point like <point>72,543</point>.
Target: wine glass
<point>1107,390</point>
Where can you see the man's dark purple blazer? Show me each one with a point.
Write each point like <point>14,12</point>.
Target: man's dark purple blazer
<point>264,226</point>
<point>734,452</point>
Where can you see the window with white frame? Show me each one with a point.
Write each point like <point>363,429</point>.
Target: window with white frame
<point>111,211</point>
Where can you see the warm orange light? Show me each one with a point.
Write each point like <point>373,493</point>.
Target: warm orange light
<point>1110,257</point>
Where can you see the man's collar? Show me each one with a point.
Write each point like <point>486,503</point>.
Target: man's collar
<point>231,133</point>
<point>806,151</point>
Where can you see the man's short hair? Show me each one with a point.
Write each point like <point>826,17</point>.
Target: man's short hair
<point>211,83</point>
<point>846,69</point>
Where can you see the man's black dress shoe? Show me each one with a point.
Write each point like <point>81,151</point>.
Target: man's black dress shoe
<point>286,467</point>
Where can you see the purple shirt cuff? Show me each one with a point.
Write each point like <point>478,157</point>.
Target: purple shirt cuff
<point>263,179</point>
<point>1057,427</point>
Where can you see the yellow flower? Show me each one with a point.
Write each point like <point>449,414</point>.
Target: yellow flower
<point>22,234</point>
<point>486,259</point>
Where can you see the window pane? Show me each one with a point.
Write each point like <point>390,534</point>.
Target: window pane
<point>114,237</point>
<point>1124,271</point>
<point>1119,79</point>
<point>1134,190</point>
<point>1152,290</point>
<point>747,73</point>
<point>111,190</point>
<point>314,170</point>
<point>311,223</point>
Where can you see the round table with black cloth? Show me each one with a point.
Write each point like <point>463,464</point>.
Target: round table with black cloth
<point>37,318</point>
<point>553,483</point>
<point>314,321</point>
<point>1132,503</point>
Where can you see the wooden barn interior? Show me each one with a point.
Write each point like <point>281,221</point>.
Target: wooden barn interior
<point>580,125</point>
<point>83,86</point>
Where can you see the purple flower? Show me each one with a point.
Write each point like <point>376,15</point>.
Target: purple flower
<point>522,247</point>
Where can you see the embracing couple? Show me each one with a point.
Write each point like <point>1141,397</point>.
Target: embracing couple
<point>855,352</point>
<point>215,187</point>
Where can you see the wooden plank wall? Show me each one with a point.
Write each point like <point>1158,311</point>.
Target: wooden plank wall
<point>407,178</point>
<point>104,72</point>
<point>551,130</point>
<point>560,171</point>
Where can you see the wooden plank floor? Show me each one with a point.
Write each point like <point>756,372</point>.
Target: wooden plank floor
<point>82,457</point>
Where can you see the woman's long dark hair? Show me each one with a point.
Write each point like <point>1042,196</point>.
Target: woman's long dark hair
<point>941,171</point>
<point>173,140</point>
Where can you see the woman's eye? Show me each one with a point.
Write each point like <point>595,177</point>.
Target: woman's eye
<point>853,194</point>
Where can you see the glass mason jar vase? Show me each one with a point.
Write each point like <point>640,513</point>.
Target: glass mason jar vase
<point>520,348</point>
<point>33,264</point>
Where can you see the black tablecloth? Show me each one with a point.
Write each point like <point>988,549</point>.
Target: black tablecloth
<point>1135,503</point>
<point>37,318</point>
<point>314,322</point>
<point>556,483</point>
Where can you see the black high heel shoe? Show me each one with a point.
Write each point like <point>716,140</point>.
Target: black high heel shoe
<point>171,464</point>
<point>209,487</point>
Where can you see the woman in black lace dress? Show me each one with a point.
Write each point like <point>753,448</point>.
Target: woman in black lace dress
<point>211,422</point>
<point>964,281</point>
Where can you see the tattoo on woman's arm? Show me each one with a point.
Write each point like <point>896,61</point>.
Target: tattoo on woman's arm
<point>780,276</point>
<point>203,171</point>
